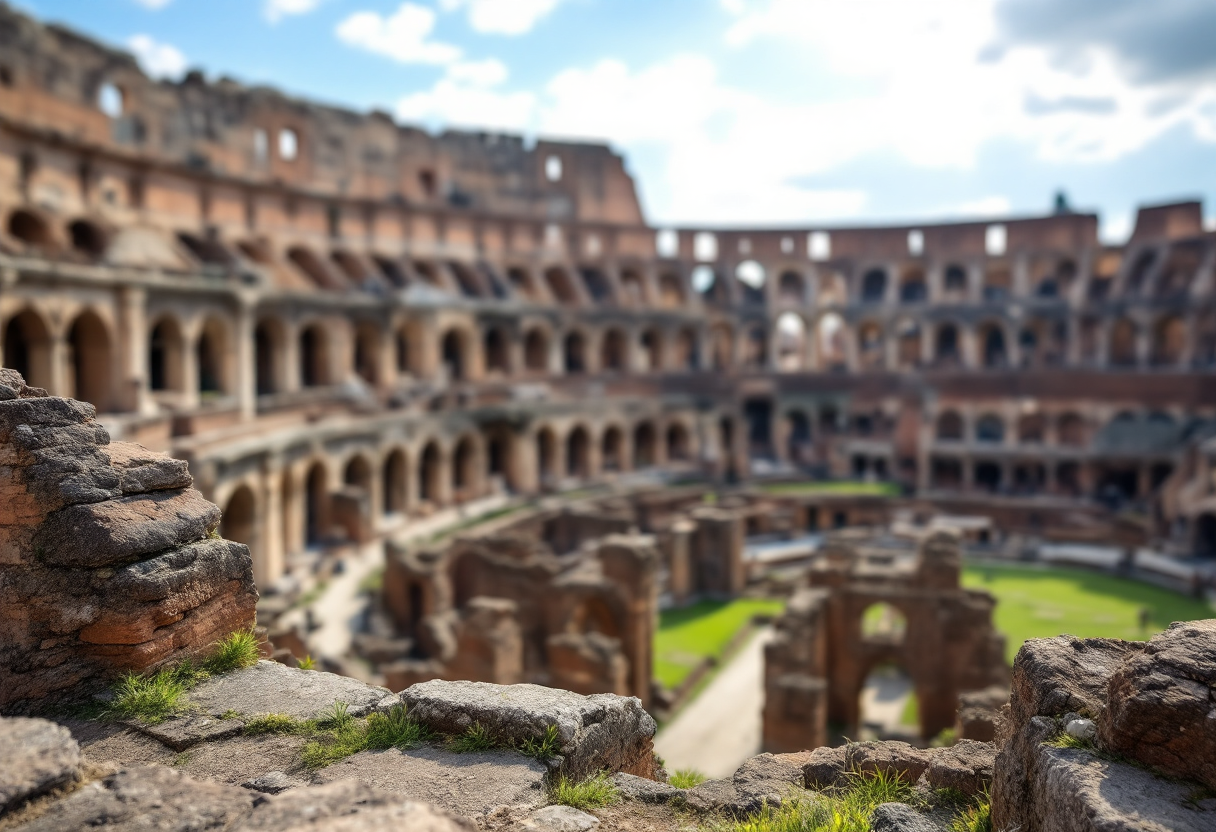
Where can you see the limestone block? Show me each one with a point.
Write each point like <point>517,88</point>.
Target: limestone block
<point>644,790</point>
<point>890,757</point>
<point>141,470</point>
<point>597,732</point>
<point>966,766</point>
<point>37,756</point>
<point>273,688</point>
<point>561,819</point>
<point>900,817</point>
<point>348,806</point>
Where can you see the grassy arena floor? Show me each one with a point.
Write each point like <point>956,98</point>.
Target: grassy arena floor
<point>1040,603</point>
<point>849,487</point>
<point>688,635</point>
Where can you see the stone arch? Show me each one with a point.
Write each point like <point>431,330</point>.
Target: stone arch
<point>27,347</point>
<point>884,623</point>
<point>496,357</point>
<point>874,285</point>
<point>954,281</point>
<point>613,351</point>
<point>536,350</point>
<point>430,473</point>
<point>651,343</point>
<point>454,354</point>
<point>831,333</point>
<point>239,524</point>
<point>791,342</point>
<point>358,473</point>
<point>394,476</point>
<point>1122,350</point>
<point>908,344</point>
<point>314,356</point>
<point>671,291</point>
<point>990,428</point>
<point>947,348</point>
<point>950,427</point>
<point>791,287</point>
<point>561,286</point>
<point>688,356</point>
<point>644,446</point>
<point>211,355</point>
<point>578,453</point>
<point>367,352</point>
<point>871,345</point>
<point>89,360</point>
<point>1070,430</point>
<point>798,437</point>
<point>521,282</point>
<point>88,238</point>
<point>269,341</point>
<point>464,468</point>
<point>1169,341</point>
<point>913,288</point>
<point>31,228</point>
<point>574,352</point>
<point>1032,429</point>
<point>679,444</point>
<point>722,346</point>
<point>994,351</point>
<point>313,268</point>
<point>166,355</point>
<point>546,455</point>
<point>612,453</point>
<point>755,347</point>
<point>988,476</point>
<point>316,504</point>
<point>633,288</point>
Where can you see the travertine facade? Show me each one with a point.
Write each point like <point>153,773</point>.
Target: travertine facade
<point>343,323</point>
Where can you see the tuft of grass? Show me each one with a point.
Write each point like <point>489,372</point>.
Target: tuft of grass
<point>337,717</point>
<point>307,663</point>
<point>152,698</point>
<point>394,730</point>
<point>844,808</point>
<point>475,738</point>
<point>542,748</point>
<point>1067,740</point>
<point>686,778</point>
<point>240,649</point>
<point>975,818</point>
<point>181,759</point>
<point>279,724</point>
<point>229,714</point>
<point>335,745</point>
<point>593,793</point>
<point>950,796</point>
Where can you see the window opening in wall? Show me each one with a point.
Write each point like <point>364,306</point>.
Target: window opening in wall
<point>956,279</point>
<point>553,168</point>
<point>916,243</point>
<point>87,238</point>
<point>705,246</point>
<point>787,245</point>
<point>750,273</point>
<point>745,246</point>
<point>593,245</point>
<point>703,279</point>
<point>29,228</point>
<point>819,245</point>
<point>426,181</point>
<point>995,239</point>
<point>261,146</point>
<point>110,100</point>
<point>289,144</point>
<point>667,243</point>
<point>874,286</point>
<point>6,76</point>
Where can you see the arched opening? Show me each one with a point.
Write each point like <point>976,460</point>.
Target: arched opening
<point>30,229</point>
<point>429,472</point>
<point>612,349</point>
<point>464,469</point>
<point>688,356</point>
<point>350,266</point>
<point>392,271</point>
<point>791,288</point>
<point>1029,477</point>
<point>546,453</point>
<point>27,348</point>
<point>578,446</point>
<point>881,622</point>
<point>998,284</point>
<point>598,288</point>
<point>751,277</point>
<point>358,473</point>
<point>208,251</point>
<point>1032,428</point>
<point>452,349</point>
<point>722,341</point>
<point>1070,430</point>
<point>316,510</point>
<point>954,282</point>
<point>1205,536</point>
<point>466,279</point>
<point>494,345</point>
<point>1169,342</point>
<point>888,707</point>
<point>88,238</point>
<point>212,355</point>
<point>644,446</point>
<point>678,446</point>
<point>988,476</point>
<point>268,348</point>
<point>611,454</point>
<point>573,351</point>
<point>990,428</point>
<point>89,345</point>
<point>633,290</point>
<point>367,352</point>
<point>791,341</point>
<point>992,338</point>
<point>908,344</point>
<point>594,616</point>
<point>652,350</point>
<point>950,427</point>
<point>313,268</point>
<point>871,346</point>
<point>561,286</point>
<point>521,283</point>
<point>798,438</point>
<point>165,356</point>
<point>946,474</point>
<point>755,349</point>
<point>874,286</point>
<point>830,334</point>
<point>536,350</point>
<point>671,291</point>
<point>314,357</point>
<point>239,524</point>
<point>393,482</point>
<point>946,346</point>
<point>912,286</point>
<point>1123,344</point>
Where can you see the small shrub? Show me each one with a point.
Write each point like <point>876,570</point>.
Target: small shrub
<point>475,738</point>
<point>337,717</point>
<point>543,748</point>
<point>307,663</point>
<point>592,793</point>
<point>240,649</point>
<point>394,730</point>
<point>278,724</point>
<point>686,778</point>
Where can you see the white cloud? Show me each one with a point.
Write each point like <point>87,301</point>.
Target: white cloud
<point>485,73</point>
<point>455,104</point>
<point>403,36</point>
<point>986,206</point>
<point>276,10</point>
<point>160,60</point>
<point>154,4</point>
<point>502,17</point>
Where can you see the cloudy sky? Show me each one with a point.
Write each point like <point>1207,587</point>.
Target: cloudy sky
<point>756,111</point>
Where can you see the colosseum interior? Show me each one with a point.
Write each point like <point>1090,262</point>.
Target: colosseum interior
<point>349,327</point>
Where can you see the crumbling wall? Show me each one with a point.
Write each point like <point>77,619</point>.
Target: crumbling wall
<point>109,560</point>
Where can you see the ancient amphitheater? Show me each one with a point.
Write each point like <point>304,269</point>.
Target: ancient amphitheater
<point>345,324</point>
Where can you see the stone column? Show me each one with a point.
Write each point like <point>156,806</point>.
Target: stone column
<point>132,341</point>
<point>246,359</point>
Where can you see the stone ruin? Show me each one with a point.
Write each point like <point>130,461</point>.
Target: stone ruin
<point>109,559</point>
<point>565,597</point>
<point>821,653</point>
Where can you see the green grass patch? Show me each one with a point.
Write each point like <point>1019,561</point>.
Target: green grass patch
<point>593,793</point>
<point>542,748</point>
<point>1041,603</point>
<point>373,581</point>
<point>240,649</point>
<point>976,817</point>
<point>910,715</point>
<point>279,724</point>
<point>152,698</point>
<point>843,809</point>
<point>846,487</point>
<point>339,735</point>
<point>688,636</point>
<point>686,778</point>
<point>307,663</point>
<point>475,738</point>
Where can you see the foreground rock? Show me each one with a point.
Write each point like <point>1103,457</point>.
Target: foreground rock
<point>595,733</point>
<point>108,560</point>
<point>966,766</point>
<point>36,756</point>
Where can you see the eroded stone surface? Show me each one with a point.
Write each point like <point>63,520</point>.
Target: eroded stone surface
<point>561,819</point>
<point>36,756</point>
<point>767,779</point>
<point>966,766</point>
<point>597,732</point>
<point>891,757</point>
<point>900,817</point>
<point>469,785</point>
<point>645,790</point>
<point>187,731</point>
<point>347,806</point>
<point>272,782</point>
<point>141,470</point>
<point>273,688</point>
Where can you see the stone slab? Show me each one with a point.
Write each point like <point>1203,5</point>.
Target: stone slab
<point>561,819</point>
<point>900,817</point>
<point>36,756</point>
<point>348,806</point>
<point>469,785</point>
<point>644,790</point>
<point>187,731</point>
<point>273,688</point>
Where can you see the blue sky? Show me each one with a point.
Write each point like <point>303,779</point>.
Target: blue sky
<point>751,112</point>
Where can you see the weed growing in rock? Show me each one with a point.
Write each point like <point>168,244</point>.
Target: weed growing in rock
<point>335,745</point>
<point>181,759</point>
<point>394,730</point>
<point>307,663</point>
<point>152,698</point>
<point>686,778</point>
<point>543,748</point>
<point>592,793</point>
<point>475,738</point>
<point>337,717</point>
<point>279,724</point>
<point>842,809</point>
<point>1066,740</point>
<point>975,818</point>
<point>229,714</point>
<point>950,797</point>
<point>238,650</point>
<point>339,735</point>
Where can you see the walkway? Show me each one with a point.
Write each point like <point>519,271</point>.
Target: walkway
<point>721,728</point>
